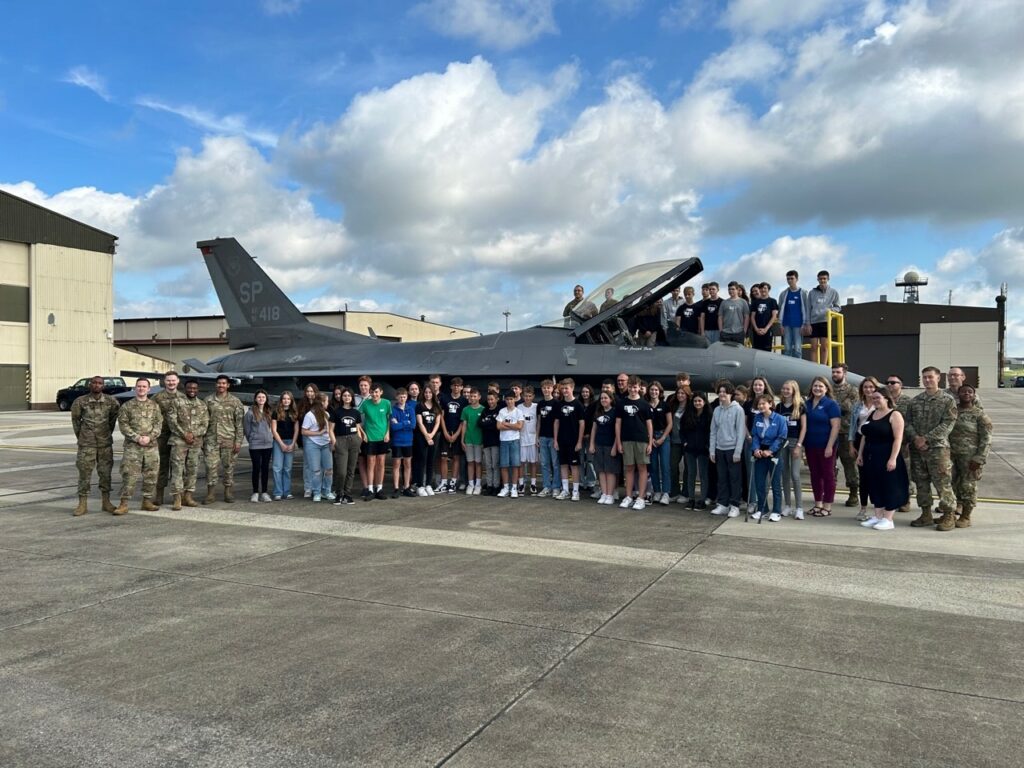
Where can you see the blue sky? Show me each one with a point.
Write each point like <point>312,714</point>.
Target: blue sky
<point>457,158</point>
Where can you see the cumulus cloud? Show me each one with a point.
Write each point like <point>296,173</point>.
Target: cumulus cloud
<point>498,24</point>
<point>807,255</point>
<point>761,16</point>
<point>84,77</point>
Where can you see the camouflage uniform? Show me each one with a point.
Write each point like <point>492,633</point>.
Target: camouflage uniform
<point>846,395</point>
<point>139,418</point>
<point>167,440</point>
<point>968,444</point>
<point>187,415</point>
<point>956,398</point>
<point>222,435</point>
<point>93,419</point>
<point>932,417</point>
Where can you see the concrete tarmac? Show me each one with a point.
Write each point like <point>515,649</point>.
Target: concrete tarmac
<point>471,631</point>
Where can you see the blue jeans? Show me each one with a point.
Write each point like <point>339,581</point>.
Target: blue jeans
<point>307,467</point>
<point>549,470</point>
<point>712,336</point>
<point>508,454</point>
<point>281,467</point>
<point>792,341</point>
<point>321,467</point>
<point>761,469</point>
<point>789,468</point>
<point>661,467</point>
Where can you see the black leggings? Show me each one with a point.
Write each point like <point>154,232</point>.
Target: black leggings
<point>423,459</point>
<point>260,468</point>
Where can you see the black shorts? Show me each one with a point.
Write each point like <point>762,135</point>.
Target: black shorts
<point>451,450</point>
<point>401,451</point>
<point>763,343</point>
<point>819,330</point>
<point>377,448</point>
<point>568,455</point>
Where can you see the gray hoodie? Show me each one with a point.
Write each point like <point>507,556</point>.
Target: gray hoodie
<point>728,429</point>
<point>821,302</point>
<point>257,432</point>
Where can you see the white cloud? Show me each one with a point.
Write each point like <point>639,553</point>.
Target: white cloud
<point>230,125</point>
<point>761,16</point>
<point>748,61</point>
<point>84,77</point>
<point>807,255</point>
<point>498,24</point>
<point>683,14</point>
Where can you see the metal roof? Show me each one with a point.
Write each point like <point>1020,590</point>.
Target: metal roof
<point>22,221</point>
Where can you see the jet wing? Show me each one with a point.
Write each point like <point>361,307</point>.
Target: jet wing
<point>637,300</point>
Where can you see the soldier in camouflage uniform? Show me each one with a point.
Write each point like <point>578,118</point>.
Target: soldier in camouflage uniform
<point>93,417</point>
<point>931,419</point>
<point>166,442</point>
<point>846,396</point>
<point>190,418</point>
<point>140,422</point>
<point>955,379</point>
<point>901,403</point>
<point>968,447</point>
<point>223,439</point>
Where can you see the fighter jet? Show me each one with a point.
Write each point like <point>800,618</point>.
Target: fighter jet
<point>278,347</point>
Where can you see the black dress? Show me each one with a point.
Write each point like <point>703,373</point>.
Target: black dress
<point>888,490</point>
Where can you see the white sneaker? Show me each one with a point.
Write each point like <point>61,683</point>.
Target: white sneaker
<point>469,489</point>
<point>421,491</point>
<point>316,497</point>
<point>871,521</point>
<point>626,503</point>
<point>544,493</point>
<point>254,498</point>
<point>265,497</point>
<point>277,498</point>
<point>515,493</point>
<point>682,500</point>
<point>666,499</point>
<point>755,516</point>
<point>476,490</point>
<point>884,525</point>
<point>786,511</point>
<point>429,490</point>
<point>639,503</point>
<point>330,496</point>
<point>798,514</point>
<point>503,493</point>
<point>720,509</point>
<point>734,512</point>
<point>603,499</point>
<point>774,517</point>
<point>575,496</point>
<point>596,494</point>
<point>562,495</point>
<point>307,494</point>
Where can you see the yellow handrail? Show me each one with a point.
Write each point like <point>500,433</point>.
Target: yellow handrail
<point>836,339</point>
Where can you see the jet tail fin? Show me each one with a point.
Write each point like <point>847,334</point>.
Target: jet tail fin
<point>257,311</point>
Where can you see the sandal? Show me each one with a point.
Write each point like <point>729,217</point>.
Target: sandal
<point>820,512</point>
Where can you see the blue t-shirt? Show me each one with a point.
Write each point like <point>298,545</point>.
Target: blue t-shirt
<point>793,317</point>
<point>819,425</point>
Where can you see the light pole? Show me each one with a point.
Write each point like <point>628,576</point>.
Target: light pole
<point>506,313</point>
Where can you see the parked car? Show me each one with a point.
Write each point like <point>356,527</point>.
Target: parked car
<point>112,385</point>
<point>1018,381</point>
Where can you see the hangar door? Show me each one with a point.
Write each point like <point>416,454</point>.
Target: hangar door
<point>12,387</point>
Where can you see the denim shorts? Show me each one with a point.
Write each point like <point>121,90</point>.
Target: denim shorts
<point>508,453</point>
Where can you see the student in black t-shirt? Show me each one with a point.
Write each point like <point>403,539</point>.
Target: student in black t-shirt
<point>490,442</point>
<point>451,434</point>
<point>709,314</point>
<point>607,461</point>
<point>425,439</point>
<point>634,440</point>
<point>764,312</point>
<point>546,439</point>
<point>569,424</point>
<point>688,314</point>
<point>349,438</point>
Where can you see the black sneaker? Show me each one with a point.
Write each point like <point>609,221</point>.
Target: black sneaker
<point>396,494</point>
<point>346,499</point>
<point>408,492</point>
<point>379,495</point>
<point>367,496</point>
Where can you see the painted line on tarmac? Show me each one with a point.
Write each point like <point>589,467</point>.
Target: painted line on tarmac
<point>38,466</point>
<point>487,542</point>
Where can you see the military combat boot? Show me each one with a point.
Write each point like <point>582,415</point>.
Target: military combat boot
<point>947,522</point>
<point>853,499</point>
<point>923,520</point>
<point>176,502</point>
<point>159,498</point>
<point>964,521</point>
<point>149,506</point>
<point>209,498</point>
<point>905,508</point>
<point>229,494</point>
<point>107,506</point>
<point>188,501</point>
<point>81,508</point>
<point>122,508</point>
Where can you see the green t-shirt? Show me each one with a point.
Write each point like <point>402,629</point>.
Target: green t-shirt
<point>376,417</point>
<point>471,415</point>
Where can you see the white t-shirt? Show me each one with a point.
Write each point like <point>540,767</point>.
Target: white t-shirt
<point>528,434</point>
<point>506,416</point>
<point>309,422</point>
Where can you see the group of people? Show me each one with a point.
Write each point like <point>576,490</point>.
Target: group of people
<point>796,314</point>
<point>727,454</point>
